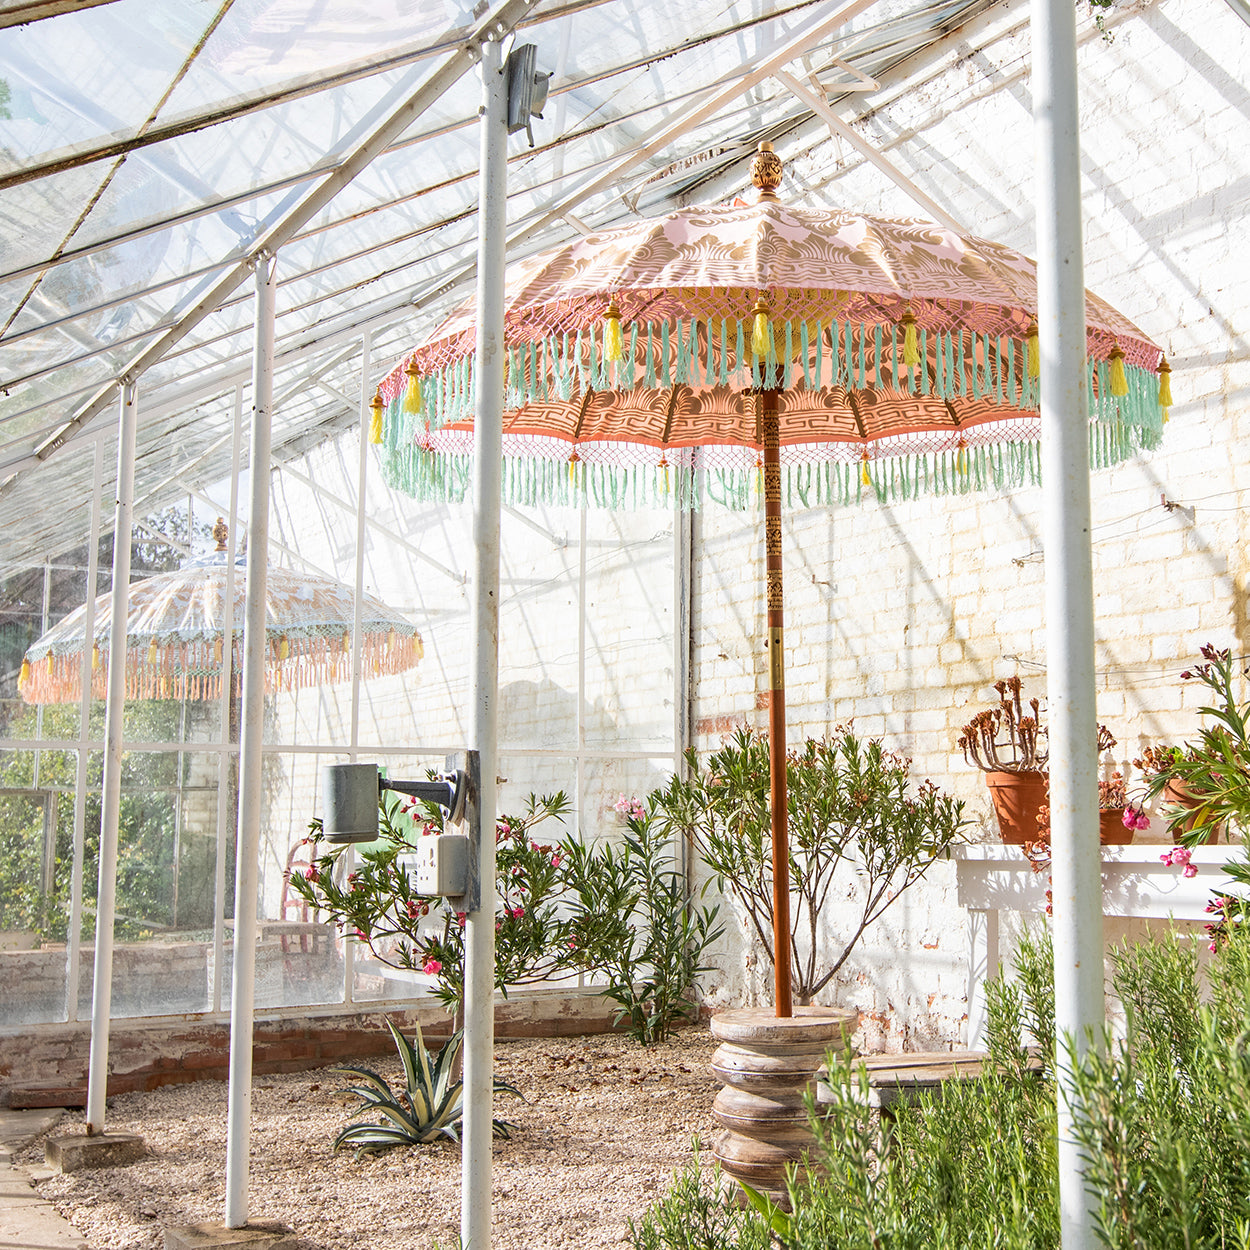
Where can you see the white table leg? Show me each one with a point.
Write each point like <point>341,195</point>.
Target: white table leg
<point>982,967</point>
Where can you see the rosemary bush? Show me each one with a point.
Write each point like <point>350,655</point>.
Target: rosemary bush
<point>1163,1117</point>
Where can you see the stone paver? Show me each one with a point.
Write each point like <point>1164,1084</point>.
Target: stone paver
<point>28,1221</point>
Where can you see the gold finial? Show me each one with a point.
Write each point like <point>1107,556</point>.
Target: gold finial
<point>766,171</point>
<point>221,531</point>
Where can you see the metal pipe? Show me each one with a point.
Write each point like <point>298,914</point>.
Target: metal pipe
<point>73,939</point>
<point>769,425</point>
<point>114,711</point>
<point>251,790</point>
<point>479,972</point>
<point>362,477</point>
<point>1077,881</point>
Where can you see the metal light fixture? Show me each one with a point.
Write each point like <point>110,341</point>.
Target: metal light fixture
<point>527,89</point>
<point>350,793</point>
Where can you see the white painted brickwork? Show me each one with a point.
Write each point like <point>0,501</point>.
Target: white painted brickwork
<point>901,616</point>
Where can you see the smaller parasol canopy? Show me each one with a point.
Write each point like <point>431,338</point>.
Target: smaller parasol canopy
<point>175,635</point>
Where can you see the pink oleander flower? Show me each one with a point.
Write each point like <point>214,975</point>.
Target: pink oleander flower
<point>461,917</point>
<point>1135,818</point>
<point>517,912</point>
<point>1191,870</point>
<point>629,808</point>
<point>429,828</point>
<point>555,861</point>
<point>502,829</point>
<point>431,967</point>
<point>312,873</point>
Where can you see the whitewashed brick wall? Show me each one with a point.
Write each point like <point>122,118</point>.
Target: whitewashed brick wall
<point>901,616</point>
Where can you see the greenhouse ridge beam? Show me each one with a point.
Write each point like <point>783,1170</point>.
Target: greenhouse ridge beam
<point>505,16</point>
<point>19,14</point>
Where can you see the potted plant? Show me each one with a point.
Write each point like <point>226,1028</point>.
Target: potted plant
<point>1008,744</point>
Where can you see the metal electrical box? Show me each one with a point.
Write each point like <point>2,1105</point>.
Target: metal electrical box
<point>440,865</point>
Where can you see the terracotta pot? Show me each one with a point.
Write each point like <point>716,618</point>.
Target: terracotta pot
<point>1178,794</point>
<point>1018,797</point>
<point>1111,828</point>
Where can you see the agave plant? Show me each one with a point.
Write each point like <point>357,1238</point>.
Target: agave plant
<point>431,1106</point>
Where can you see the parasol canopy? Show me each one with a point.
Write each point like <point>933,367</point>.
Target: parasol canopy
<point>903,354</point>
<point>763,351</point>
<point>175,636</point>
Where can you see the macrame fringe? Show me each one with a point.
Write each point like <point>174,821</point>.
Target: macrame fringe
<point>801,355</point>
<point>531,482</point>
<point>193,670</point>
<point>715,351</point>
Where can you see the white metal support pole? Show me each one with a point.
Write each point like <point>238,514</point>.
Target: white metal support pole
<point>479,978</point>
<point>225,704</point>
<point>74,936</point>
<point>251,793</point>
<point>114,709</point>
<point>1077,881</point>
<point>362,481</point>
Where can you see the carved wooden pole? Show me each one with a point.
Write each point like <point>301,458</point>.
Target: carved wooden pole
<point>767,404</point>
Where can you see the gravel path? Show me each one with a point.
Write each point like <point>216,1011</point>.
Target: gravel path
<point>603,1126</point>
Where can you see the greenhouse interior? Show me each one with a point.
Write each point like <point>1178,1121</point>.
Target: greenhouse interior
<point>699,479</point>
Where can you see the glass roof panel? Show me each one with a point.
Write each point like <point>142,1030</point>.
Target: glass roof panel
<point>232,110</point>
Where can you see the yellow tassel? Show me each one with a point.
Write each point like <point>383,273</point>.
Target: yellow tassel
<point>613,342</point>
<point>420,646</point>
<point>1119,381</point>
<point>217,650</point>
<point>152,652</point>
<point>49,663</point>
<point>911,342</point>
<point>1165,386</point>
<point>95,656</point>
<point>864,475</point>
<point>284,649</point>
<point>761,333</point>
<point>759,477</point>
<point>24,676</point>
<point>390,640</point>
<point>961,457</point>
<point>1032,352</point>
<point>412,394</point>
<point>574,461</point>
<point>347,643</point>
<point>378,405</point>
<point>663,466</point>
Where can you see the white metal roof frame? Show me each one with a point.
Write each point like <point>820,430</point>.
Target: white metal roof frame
<point>122,258</point>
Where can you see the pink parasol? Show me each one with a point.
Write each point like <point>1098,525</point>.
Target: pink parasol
<point>746,352</point>
<point>175,636</point>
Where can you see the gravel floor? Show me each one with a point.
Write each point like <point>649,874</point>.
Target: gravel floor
<point>603,1126</point>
